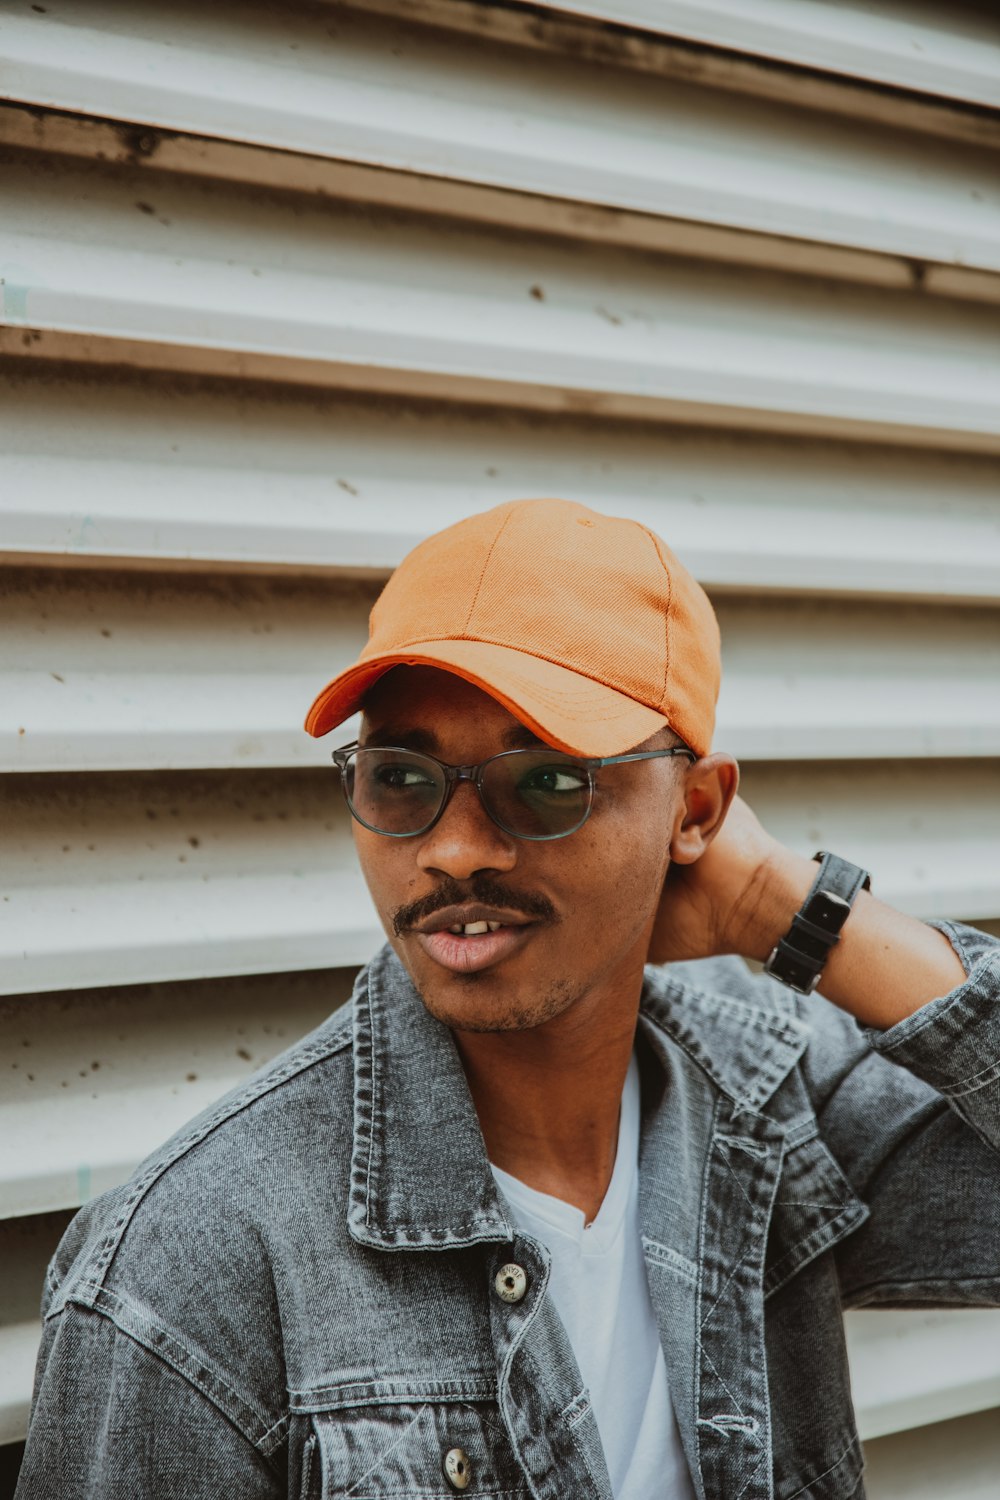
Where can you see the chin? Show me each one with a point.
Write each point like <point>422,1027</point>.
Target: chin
<point>482,1002</point>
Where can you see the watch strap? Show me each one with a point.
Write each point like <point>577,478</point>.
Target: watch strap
<point>799,958</point>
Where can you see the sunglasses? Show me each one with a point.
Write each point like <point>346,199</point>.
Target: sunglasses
<point>532,794</point>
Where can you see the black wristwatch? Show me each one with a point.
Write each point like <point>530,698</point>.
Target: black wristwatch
<point>799,958</point>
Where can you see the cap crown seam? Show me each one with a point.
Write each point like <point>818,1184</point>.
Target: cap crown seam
<point>485,568</point>
<point>666,614</point>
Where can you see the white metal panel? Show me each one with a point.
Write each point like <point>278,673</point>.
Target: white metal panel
<point>910,1368</point>
<point>958,1459</point>
<point>163,875</point>
<point>127,672</point>
<point>219,280</point>
<point>416,100</point>
<point>120,880</point>
<point>166,473</point>
<point>473,202</point>
<point>951,50</point>
<point>807,680</point>
<point>928,832</point>
<point>102,672</point>
<point>127,880</point>
<point>96,1082</point>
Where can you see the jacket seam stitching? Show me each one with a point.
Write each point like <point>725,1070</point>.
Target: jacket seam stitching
<point>357,1393</point>
<point>852,1214</point>
<point>901,1289</point>
<point>835,1465</point>
<point>973,1083</point>
<point>310,1055</point>
<point>700,1291</point>
<point>133,1335</point>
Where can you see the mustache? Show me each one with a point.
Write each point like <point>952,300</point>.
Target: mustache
<point>484,892</point>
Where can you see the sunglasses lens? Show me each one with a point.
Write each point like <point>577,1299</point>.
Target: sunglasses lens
<point>394,791</point>
<point>537,794</point>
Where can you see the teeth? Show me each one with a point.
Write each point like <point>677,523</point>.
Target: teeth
<point>474,927</point>
<point>494,926</point>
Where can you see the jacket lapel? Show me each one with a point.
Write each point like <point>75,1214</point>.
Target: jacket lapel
<point>420,1176</point>
<point>709,1168</point>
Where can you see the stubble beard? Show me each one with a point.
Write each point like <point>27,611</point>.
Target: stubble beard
<point>511,1015</point>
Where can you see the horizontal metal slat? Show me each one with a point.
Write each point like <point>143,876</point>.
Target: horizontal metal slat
<point>159,473</point>
<point>127,879</point>
<point>96,1081</point>
<point>811,680</point>
<point>216,279</point>
<point>159,877</point>
<point>953,52</point>
<point>960,1459</point>
<point>457,109</point>
<point>122,671</point>
<point>916,1367</point>
<point>931,851</point>
<point>127,672</point>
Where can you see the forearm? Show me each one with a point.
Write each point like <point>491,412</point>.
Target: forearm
<point>886,964</point>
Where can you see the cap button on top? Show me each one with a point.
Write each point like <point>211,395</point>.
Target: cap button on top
<point>511,1282</point>
<point>457,1468</point>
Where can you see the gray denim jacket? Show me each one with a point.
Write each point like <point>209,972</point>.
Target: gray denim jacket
<point>295,1295</point>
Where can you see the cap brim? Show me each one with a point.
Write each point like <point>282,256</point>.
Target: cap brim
<point>569,711</point>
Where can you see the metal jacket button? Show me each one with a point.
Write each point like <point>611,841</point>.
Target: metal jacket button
<point>457,1468</point>
<point>511,1282</point>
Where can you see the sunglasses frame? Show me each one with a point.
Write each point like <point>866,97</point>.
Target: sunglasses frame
<point>474,773</point>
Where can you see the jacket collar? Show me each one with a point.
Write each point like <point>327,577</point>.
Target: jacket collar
<point>716,1012</point>
<point>420,1175</point>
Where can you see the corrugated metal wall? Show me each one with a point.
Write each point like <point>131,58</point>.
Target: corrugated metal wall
<point>284,288</point>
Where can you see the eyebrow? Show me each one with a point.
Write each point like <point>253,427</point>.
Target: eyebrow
<point>517,737</point>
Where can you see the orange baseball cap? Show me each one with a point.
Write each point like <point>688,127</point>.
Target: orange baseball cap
<point>585,626</point>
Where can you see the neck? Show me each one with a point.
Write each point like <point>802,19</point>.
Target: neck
<point>548,1098</point>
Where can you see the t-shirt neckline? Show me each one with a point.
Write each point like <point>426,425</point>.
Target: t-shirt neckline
<point>566,1218</point>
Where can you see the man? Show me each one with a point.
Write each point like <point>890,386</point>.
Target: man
<point>530,1218</point>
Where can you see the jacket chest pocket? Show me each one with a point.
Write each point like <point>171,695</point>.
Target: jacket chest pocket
<point>424,1451</point>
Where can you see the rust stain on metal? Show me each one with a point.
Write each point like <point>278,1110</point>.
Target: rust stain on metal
<point>918,274</point>
<point>139,143</point>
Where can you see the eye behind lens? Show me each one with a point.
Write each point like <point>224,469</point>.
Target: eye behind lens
<point>537,794</point>
<point>395,791</point>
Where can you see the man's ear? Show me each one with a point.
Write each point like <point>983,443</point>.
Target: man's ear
<point>706,796</point>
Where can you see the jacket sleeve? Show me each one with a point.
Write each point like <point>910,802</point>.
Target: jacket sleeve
<point>912,1115</point>
<point>112,1421</point>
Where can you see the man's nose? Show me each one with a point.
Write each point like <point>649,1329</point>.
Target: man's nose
<point>465,839</point>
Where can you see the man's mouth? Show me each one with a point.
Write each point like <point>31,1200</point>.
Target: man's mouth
<point>470,936</point>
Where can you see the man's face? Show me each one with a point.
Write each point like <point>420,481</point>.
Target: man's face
<point>592,895</point>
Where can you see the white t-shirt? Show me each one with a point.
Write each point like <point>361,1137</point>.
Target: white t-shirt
<point>599,1287</point>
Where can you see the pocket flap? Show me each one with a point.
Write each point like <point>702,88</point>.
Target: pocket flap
<point>401,1450</point>
<point>814,1208</point>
